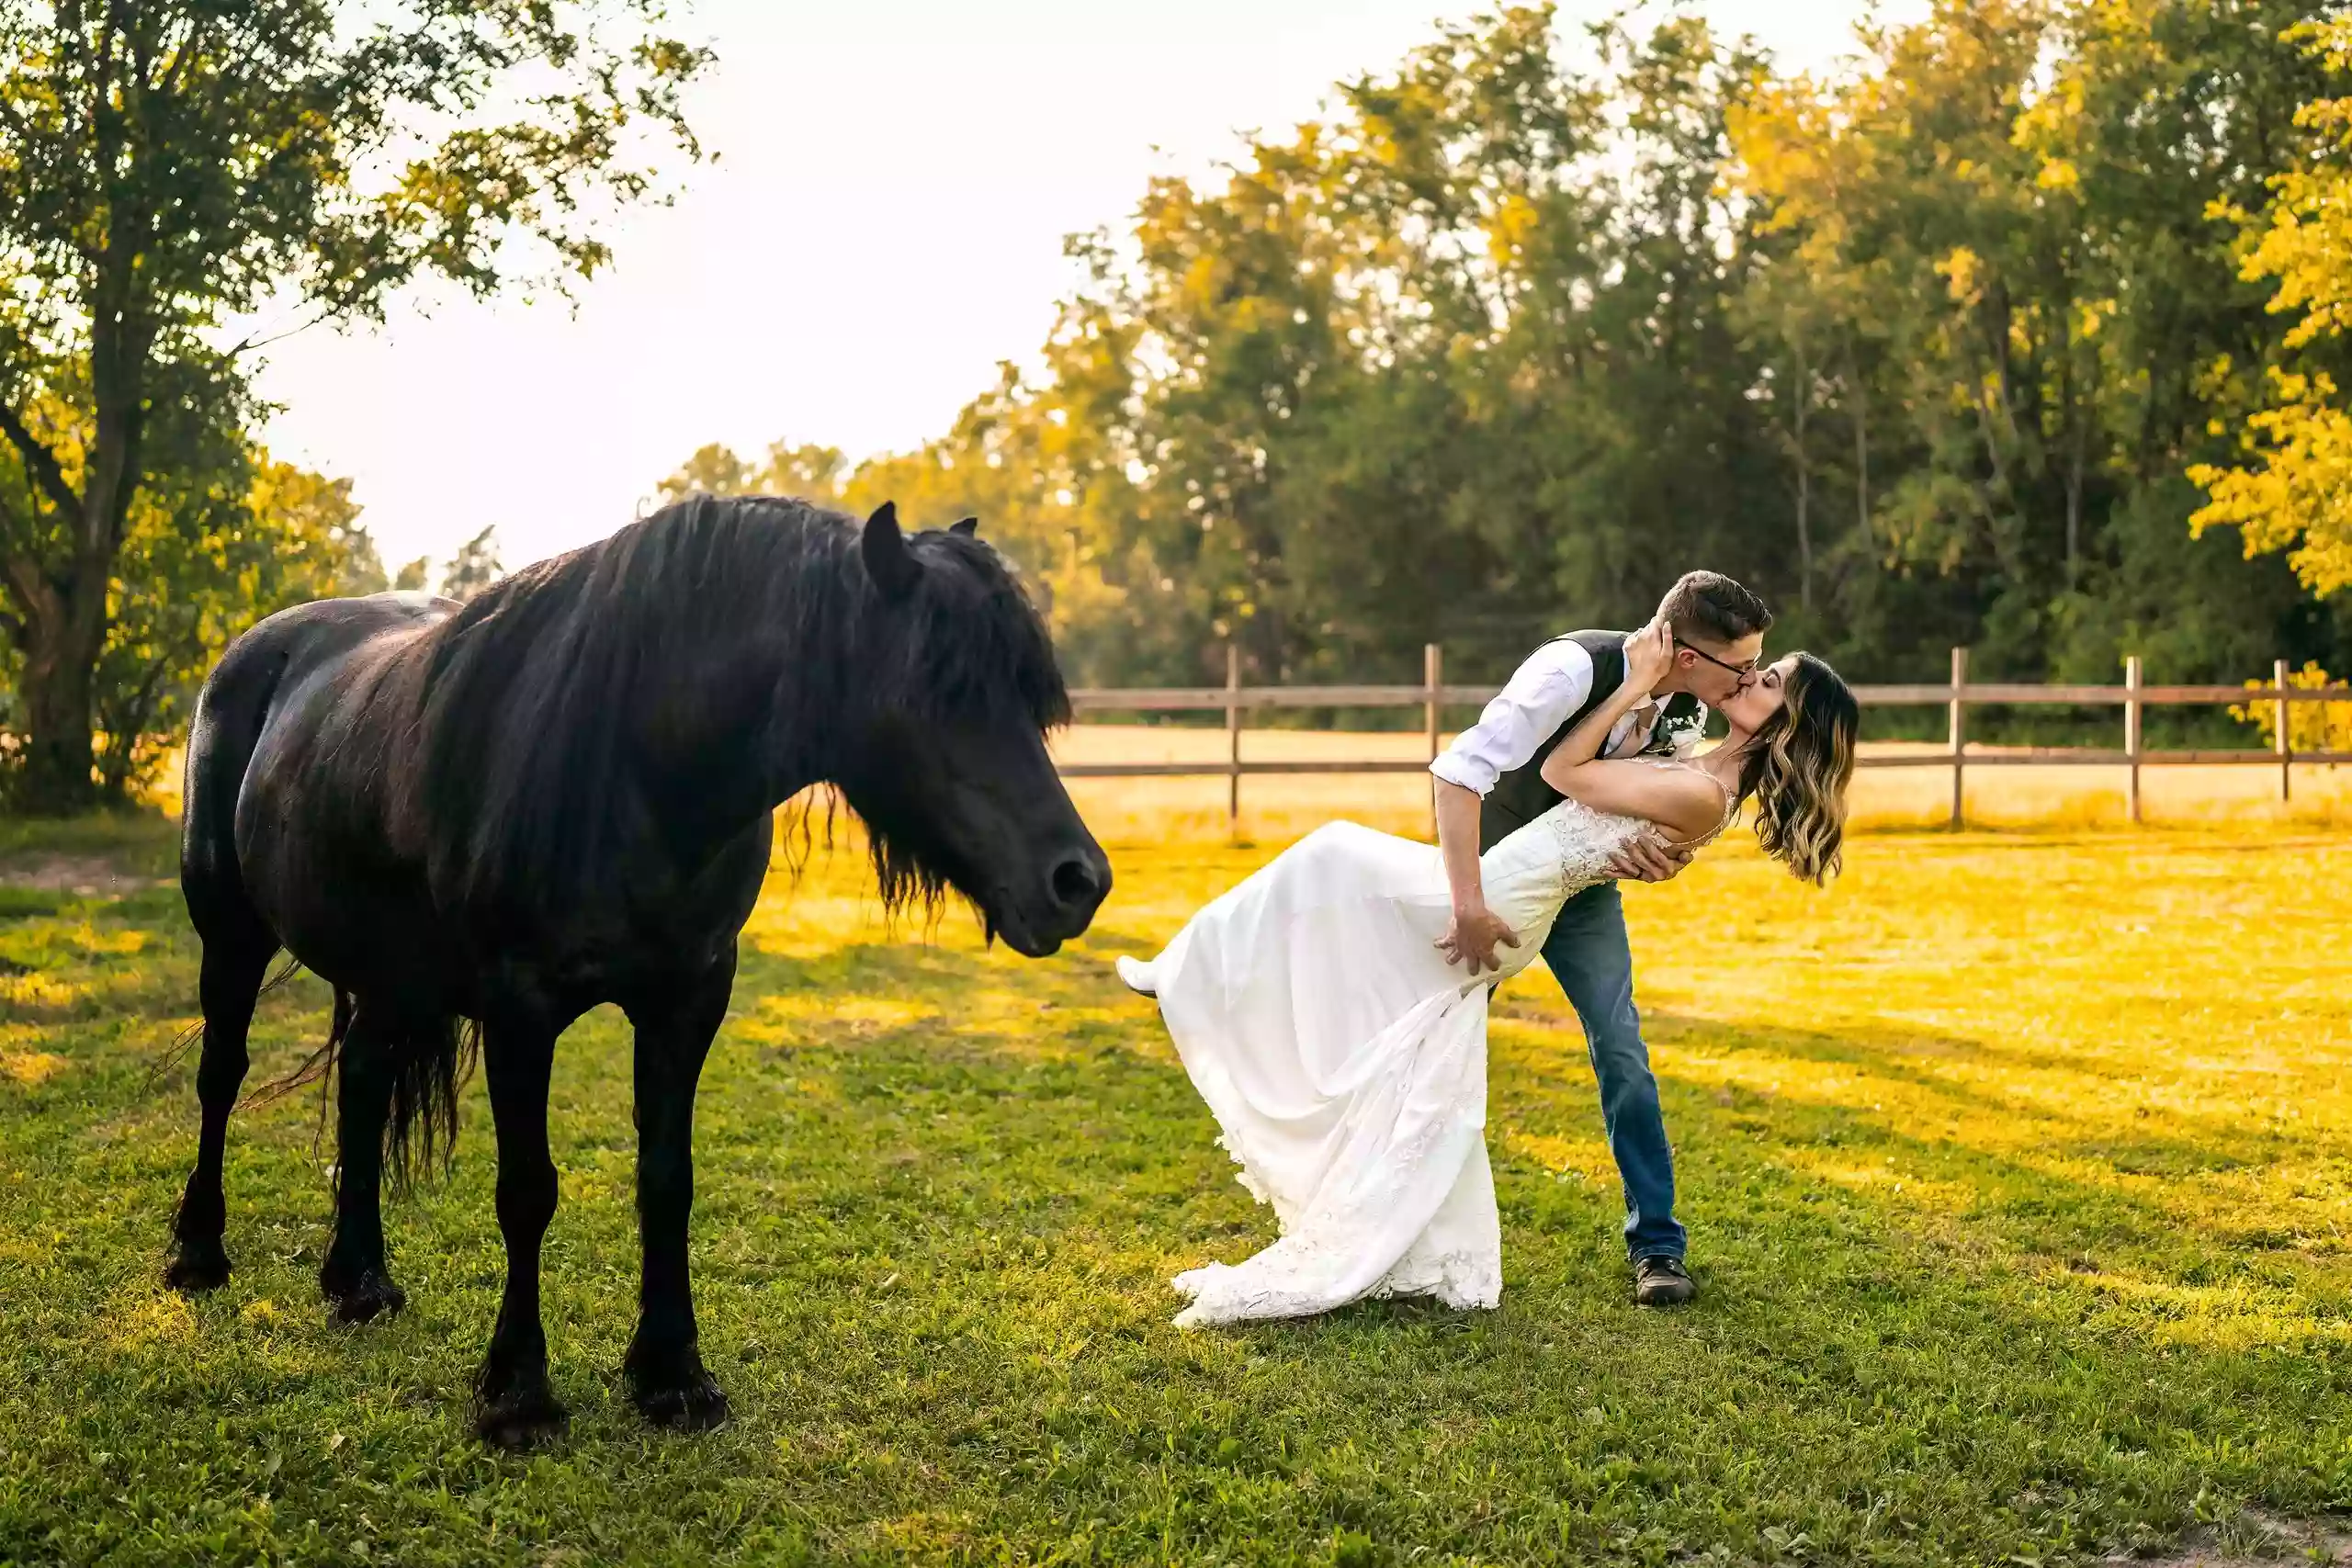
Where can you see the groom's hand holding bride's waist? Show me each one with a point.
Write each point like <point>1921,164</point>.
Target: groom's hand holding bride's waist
<point>1473,935</point>
<point>1645,858</point>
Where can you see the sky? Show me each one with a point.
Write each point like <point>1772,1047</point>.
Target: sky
<point>882,226</point>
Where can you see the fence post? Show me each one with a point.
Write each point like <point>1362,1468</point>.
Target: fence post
<point>1432,677</point>
<point>1233,739</point>
<point>2286,733</point>
<point>2131,683</point>
<point>1958,728</point>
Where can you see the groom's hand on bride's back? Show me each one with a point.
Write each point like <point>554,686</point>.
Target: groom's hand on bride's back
<point>1473,935</point>
<point>1643,860</point>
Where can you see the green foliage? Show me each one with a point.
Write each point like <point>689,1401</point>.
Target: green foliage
<point>190,577</point>
<point>2311,727</point>
<point>1501,344</point>
<point>2003,225</point>
<point>222,538</point>
<point>168,166</point>
<point>474,567</point>
<point>2294,498</point>
<point>1016,458</point>
<point>809,473</point>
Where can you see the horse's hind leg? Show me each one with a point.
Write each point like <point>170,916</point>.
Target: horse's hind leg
<point>355,1278</point>
<point>234,962</point>
<point>513,1405</point>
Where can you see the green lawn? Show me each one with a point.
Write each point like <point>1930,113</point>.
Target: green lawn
<point>2016,1167</point>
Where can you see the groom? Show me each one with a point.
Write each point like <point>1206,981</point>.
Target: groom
<point>1490,782</point>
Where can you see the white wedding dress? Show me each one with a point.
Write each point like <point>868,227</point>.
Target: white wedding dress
<point>1345,1060</point>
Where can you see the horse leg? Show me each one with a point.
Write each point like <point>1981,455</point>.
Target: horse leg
<point>664,1368</point>
<point>513,1405</point>
<point>355,1276</point>
<point>231,981</point>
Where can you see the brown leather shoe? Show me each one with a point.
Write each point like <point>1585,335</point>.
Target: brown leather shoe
<point>1662,1282</point>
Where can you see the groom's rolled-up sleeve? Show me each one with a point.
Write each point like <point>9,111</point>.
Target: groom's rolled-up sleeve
<point>1537,700</point>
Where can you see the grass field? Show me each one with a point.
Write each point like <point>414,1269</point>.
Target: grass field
<point>2016,1168</point>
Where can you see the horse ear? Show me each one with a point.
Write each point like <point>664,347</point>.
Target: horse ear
<point>967,526</point>
<point>888,562</point>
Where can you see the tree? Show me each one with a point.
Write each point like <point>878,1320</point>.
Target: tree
<point>197,568</point>
<point>1011,459</point>
<point>363,568</point>
<point>2298,495</point>
<point>167,166</point>
<point>474,567</point>
<point>1498,344</point>
<point>1996,235</point>
<point>236,536</point>
<point>804,473</point>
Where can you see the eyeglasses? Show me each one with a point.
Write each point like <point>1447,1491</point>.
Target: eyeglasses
<point>1745,671</point>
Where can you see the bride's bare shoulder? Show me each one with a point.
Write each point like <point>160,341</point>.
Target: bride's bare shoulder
<point>1690,803</point>
<point>1682,800</point>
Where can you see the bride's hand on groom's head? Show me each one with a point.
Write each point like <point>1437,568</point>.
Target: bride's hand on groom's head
<point>1649,655</point>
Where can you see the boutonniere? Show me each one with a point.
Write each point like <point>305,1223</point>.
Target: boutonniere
<point>1681,723</point>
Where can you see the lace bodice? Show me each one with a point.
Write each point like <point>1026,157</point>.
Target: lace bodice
<point>1567,850</point>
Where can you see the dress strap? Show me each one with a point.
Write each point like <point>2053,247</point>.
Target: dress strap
<point>1722,788</point>
<point>1690,767</point>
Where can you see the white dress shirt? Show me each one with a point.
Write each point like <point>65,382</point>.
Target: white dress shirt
<point>1531,707</point>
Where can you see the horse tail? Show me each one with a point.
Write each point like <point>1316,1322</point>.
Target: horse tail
<point>429,1064</point>
<point>430,1061</point>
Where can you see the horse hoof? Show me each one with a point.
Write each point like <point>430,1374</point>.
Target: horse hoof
<point>197,1267</point>
<point>696,1404</point>
<point>520,1418</point>
<point>363,1298</point>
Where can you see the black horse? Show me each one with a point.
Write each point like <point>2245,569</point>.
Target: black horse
<point>562,794</point>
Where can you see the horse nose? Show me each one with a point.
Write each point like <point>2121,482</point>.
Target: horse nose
<point>1080,881</point>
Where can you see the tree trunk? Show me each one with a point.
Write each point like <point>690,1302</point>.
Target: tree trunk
<point>60,663</point>
<point>1804,488</point>
<point>126,719</point>
<point>1862,451</point>
<point>2074,517</point>
<point>2073,416</point>
<point>66,630</point>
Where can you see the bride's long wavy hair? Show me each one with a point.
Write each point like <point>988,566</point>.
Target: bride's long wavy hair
<point>1797,767</point>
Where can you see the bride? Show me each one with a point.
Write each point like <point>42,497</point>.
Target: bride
<point>1345,1057</point>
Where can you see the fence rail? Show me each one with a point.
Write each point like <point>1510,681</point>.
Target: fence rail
<point>1956,696</point>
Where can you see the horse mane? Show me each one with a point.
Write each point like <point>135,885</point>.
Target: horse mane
<point>542,709</point>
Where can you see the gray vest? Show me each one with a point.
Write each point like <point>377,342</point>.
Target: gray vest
<point>1521,796</point>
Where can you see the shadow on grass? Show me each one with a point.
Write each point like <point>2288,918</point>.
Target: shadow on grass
<point>2089,1184</point>
<point>940,1194</point>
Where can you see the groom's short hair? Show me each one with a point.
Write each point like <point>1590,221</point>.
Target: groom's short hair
<point>1709,606</point>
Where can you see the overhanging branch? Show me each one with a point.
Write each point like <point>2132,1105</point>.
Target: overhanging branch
<point>34,594</point>
<point>40,460</point>
<point>248,344</point>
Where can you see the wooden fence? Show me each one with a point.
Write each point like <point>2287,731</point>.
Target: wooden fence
<point>1432,696</point>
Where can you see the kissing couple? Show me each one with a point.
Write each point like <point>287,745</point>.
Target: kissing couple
<point>1331,1009</point>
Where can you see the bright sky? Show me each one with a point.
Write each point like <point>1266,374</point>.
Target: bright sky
<point>883,226</point>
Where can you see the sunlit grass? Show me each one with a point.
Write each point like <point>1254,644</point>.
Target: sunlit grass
<point>2016,1168</point>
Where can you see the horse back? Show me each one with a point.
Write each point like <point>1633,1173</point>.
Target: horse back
<point>250,716</point>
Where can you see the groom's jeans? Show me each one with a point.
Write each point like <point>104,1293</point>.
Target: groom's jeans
<point>1588,953</point>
